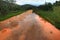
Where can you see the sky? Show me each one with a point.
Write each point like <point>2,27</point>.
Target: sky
<point>34,2</point>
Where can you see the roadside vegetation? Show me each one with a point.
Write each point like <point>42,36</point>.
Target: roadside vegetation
<point>8,9</point>
<point>51,16</point>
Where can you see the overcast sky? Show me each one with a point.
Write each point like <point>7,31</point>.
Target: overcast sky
<point>34,2</point>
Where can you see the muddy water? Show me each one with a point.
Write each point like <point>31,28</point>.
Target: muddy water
<point>31,27</point>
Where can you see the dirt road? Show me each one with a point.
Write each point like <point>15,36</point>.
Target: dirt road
<point>28,26</point>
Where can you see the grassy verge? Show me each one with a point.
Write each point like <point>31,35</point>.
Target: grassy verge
<point>10,15</point>
<point>52,16</point>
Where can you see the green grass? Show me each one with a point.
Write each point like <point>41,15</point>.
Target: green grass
<point>10,15</point>
<point>51,16</point>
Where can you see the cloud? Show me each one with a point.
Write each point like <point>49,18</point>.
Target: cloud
<point>34,2</point>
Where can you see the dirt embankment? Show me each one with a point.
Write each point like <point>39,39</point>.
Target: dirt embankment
<point>28,26</point>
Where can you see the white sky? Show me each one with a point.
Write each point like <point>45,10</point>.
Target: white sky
<point>34,2</point>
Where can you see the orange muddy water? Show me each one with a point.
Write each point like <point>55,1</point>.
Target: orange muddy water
<point>28,26</point>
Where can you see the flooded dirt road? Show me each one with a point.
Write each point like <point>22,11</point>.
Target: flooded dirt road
<point>28,26</point>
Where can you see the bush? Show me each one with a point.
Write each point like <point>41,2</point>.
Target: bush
<point>46,7</point>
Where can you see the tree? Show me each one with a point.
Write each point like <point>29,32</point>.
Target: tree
<point>10,1</point>
<point>3,8</point>
<point>6,7</point>
<point>57,3</point>
<point>46,7</point>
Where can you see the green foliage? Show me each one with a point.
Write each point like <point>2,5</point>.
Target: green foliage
<point>57,3</point>
<point>10,1</point>
<point>52,16</point>
<point>11,14</point>
<point>46,7</point>
<point>27,7</point>
<point>6,7</point>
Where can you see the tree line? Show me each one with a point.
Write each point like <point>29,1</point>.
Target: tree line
<point>7,6</point>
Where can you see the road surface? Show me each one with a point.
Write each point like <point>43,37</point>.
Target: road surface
<point>28,26</point>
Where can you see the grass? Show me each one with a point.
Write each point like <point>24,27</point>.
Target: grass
<point>51,16</point>
<point>10,15</point>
